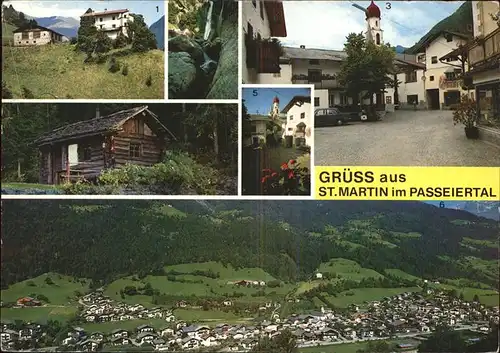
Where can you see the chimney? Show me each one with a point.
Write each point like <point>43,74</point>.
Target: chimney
<point>97,112</point>
<point>302,47</point>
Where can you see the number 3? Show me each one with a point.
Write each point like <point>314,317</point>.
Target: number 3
<point>387,5</point>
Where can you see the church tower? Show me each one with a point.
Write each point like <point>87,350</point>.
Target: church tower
<point>275,108</point>
<point>374,31</point>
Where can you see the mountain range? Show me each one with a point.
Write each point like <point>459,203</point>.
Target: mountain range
<point>288,239</point>
<point>486,209</point>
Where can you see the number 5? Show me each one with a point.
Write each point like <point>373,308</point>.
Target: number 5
<point>255,93</point>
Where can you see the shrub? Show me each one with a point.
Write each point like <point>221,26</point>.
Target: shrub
<point>101,59</point>
<point>73,40</point>
<point>27,93</point>
<point>102,43</point>
<point>149,81</point>
<point>177,171</point>
<point>85,188</point>
<point>125,70</point>
<point>120,41</point>
<point>6,93</point>
<point>465,112</point>
<point>114,65</point>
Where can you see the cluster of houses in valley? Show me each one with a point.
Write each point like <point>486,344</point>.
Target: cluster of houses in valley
<point>100,308</point>
<point>405,316</point>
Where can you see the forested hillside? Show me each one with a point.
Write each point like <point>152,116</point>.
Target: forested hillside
<point>105,240</point>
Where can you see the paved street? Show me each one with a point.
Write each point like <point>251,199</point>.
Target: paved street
<point>403,138</point>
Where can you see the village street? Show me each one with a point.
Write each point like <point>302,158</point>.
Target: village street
<point>403,138</point>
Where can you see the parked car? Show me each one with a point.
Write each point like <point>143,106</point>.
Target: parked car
<point>360,113</point>
<point>330,117</point>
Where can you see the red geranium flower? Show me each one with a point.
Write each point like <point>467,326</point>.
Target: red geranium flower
<point>266,170</point>
<point>292,161</point>
<point>263,180</point>
<point>284,166</point>
<point>274,174</point>
<point>290,175</point>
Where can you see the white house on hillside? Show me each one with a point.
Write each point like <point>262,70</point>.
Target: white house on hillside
<point>299,120</point>
<point>261,21</point>
<point>36,35</point>
<point>112,22</point>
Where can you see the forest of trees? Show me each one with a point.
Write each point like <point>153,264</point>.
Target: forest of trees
<point>81,239</point>
<point>208,132</point>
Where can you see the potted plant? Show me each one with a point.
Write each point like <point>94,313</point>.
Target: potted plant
<point>466,113</point>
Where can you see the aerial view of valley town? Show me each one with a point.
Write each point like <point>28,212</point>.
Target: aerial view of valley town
<point>198,275</point>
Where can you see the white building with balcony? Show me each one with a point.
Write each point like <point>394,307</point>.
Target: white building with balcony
<point>112,22</point>
<point>299,121</point>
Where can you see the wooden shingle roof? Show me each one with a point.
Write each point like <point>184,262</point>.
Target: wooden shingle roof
<point>97,126</point>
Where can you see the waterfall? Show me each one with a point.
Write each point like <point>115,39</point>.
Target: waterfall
<point>208,24</point>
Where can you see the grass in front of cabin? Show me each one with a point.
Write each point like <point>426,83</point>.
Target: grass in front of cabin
<point>58,71</point>
<point>22,186</point>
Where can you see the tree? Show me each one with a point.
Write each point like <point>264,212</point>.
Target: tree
<point>444,340</point>
<point>247,125</point>
<point>216,122</point>
<point>475,299</point>
<point>120,41</point>
<point>367,69</point>
<point>101,43</point>
<point>142,38</point>
<point>285,342</point>
<point>86,34</point>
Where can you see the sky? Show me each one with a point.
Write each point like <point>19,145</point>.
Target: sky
<point>73,8</point>
<point>260,100</point>
<point>327,24</point>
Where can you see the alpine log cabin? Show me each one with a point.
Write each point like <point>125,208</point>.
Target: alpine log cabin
<point>81,151</point>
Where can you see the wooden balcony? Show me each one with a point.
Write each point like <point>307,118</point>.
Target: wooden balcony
<point>263,54</point>
<point>325,82</point>
<point>485,49</point>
